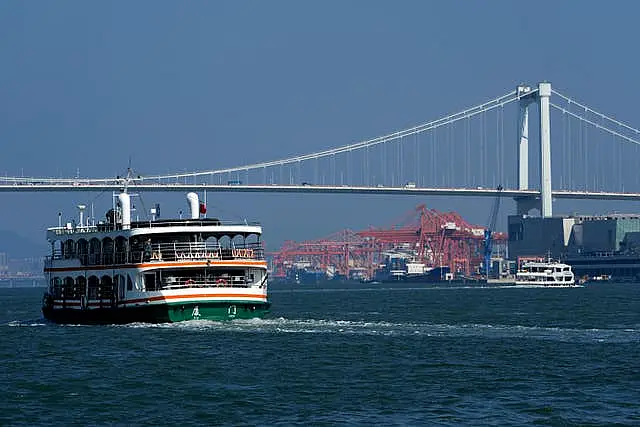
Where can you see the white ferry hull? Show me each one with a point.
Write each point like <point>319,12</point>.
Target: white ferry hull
<point>547,285</point>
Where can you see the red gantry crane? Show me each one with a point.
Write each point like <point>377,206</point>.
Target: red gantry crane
<point>437,239</point>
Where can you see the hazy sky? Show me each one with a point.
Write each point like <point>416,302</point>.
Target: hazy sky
<point>196,85</point>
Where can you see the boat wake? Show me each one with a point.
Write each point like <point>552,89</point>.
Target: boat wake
<point>381,328</point>
<point>284,325</point>
<point>26,323</point>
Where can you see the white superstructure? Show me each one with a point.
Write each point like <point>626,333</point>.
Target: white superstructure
<point>545,273</point>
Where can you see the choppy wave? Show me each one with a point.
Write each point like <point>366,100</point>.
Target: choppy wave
<point>382,328</point>
<point>421,358</point>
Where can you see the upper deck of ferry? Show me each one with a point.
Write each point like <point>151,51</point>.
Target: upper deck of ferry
<point>158,226</point>
<point>544,267</point>
<point>118,240</point>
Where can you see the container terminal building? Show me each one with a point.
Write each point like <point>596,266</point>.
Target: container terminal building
<point>594,246</point>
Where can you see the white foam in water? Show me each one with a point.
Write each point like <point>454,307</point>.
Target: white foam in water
<point>382,328</point>
<point>25,323</point>
<point>283,325</point>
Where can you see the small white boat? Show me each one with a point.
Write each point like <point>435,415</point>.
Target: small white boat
<point>545,273</point>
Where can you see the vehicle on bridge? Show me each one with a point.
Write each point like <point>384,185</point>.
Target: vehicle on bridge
<point>121,271</point>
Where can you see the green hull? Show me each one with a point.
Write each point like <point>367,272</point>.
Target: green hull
<point>159,313</point>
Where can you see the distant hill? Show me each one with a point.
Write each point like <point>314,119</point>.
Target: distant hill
<point>17,246</point>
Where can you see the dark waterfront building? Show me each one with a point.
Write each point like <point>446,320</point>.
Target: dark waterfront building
<point>595,246</point>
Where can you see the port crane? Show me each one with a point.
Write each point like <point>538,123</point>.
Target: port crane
<point>488,232</point>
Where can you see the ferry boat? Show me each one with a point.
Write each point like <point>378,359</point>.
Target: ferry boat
<point>123,271</point>
<point>545,273</point>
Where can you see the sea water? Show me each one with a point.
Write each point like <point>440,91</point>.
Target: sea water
<point>338,355</point>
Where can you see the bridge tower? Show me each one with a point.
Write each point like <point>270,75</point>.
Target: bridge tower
<point>526,97</point>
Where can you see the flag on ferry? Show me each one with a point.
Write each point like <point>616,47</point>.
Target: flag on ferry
<point>203,208</point>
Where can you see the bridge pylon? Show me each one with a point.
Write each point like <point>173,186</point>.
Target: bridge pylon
<point>526,97</point>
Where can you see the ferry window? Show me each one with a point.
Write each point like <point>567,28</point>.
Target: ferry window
<point>95,249</point>
<point>238,241</point>
<point>57,285</point>
<point>93,287</point>
<point>129,283</point>
<point>212,243</point>
<point>150,281</point>
<point>68,249</point>
<point>252,240</point>
<point>81,285</point>
<point>120,250</point>
<point>224,242</point>
<point>83,250</point>
<point>68,287</point>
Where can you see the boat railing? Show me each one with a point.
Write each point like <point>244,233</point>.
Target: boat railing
<point>209,281</point>
<point>162,252</point>
<point>73,228</point>
<point>199,251</point>
<point>204,222</point>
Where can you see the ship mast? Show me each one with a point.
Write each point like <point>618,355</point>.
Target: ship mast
<point>127,180</point>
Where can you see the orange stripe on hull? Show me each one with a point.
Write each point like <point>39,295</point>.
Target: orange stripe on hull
<point>164,298</point>
<point>168,298</point>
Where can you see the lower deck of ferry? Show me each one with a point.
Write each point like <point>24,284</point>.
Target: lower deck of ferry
<point>156,295</point>
<point>157,313</point>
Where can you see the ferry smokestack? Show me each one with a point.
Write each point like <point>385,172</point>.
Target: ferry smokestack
<point>194,205</point>
<point>81,209</point>
<point>125,204</point>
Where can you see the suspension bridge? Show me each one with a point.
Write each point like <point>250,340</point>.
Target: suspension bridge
<point>586,155</point>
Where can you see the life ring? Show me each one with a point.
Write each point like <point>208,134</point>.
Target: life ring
<point>221,281</point>
<point>189,282</point>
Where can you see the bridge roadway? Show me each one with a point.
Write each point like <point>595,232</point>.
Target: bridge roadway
<point>311,189</point>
